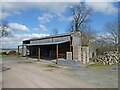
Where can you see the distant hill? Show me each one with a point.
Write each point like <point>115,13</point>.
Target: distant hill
<point>8,48</point>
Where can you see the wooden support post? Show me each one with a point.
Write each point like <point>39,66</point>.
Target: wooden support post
<point>26,53</point>
<point>56,53</point>
<point>39,54</point>
<point>70,42</point>
<point>18,51</point>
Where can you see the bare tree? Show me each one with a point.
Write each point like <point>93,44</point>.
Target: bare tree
<point>5,29</point>
<point>112,29</point>
<point>55,31</point>
<point>88,36</point>
<point>119,34</point>
<point>101,46</point>
<point>80,15</point>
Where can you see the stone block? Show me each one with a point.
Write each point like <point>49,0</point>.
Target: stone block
<point>85,54</point>
<point>69,55</point>
<point>75,52</point>
<point>79,53</point>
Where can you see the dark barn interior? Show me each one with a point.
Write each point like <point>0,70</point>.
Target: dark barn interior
<point>49,51</point>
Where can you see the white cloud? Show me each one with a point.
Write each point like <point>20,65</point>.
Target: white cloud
<point>103,7</point>
<point>100,0</point>
<point>4,14</point>
<point>35,28</point>
<point>42,27</point>
<point>51,7</point>
<point>41,0</point>
<point>60,0</point>
<point>16,26</point>
<point>45,18</point>
<point>54,7</point>
<point>63,18</point>
<point>13,42</point>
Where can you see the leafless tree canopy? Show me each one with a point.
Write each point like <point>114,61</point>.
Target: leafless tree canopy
<point>119,34</point>
<point>112,29</point>
<point>4,29</point>
<point>80,15</point>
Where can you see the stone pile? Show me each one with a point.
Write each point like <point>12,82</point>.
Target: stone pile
<point>12,52</point>
<point>109,58</point>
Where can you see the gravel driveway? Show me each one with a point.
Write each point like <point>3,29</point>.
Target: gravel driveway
<point>22,73</point>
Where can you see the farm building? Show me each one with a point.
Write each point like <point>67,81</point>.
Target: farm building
<point>67,46</point>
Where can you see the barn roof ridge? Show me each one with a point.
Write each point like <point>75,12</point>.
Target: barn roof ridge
<point>51,36</point>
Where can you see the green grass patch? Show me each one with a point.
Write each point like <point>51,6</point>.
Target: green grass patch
<point>52,66</point>
<point>0,56</point>
<point>98,65</point>
<point>11,55</point>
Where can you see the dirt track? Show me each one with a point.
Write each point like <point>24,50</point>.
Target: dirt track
<point>0,73</point>
<point>21,73</point>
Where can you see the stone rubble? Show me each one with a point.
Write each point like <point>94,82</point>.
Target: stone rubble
<point>110,58</point>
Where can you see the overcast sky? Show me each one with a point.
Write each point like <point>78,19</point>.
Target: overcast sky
<point>37,19</point>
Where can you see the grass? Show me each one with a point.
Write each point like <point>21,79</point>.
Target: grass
<point>52,66</point>
<point>98,65</point>
<point>11,55</point>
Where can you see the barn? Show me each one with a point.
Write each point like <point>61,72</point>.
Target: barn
<point>67,46</point>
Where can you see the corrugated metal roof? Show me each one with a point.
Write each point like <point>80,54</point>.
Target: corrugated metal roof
<point>51,36</point>
<point>52,43</point>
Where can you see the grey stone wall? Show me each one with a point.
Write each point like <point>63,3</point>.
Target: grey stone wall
<point>75,52</point>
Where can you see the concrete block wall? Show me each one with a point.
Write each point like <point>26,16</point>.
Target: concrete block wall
<point>69,55</point>
<point>75,52</point>
<point>81,53</point>
<point>83,57</point>
<point>85,54</point>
